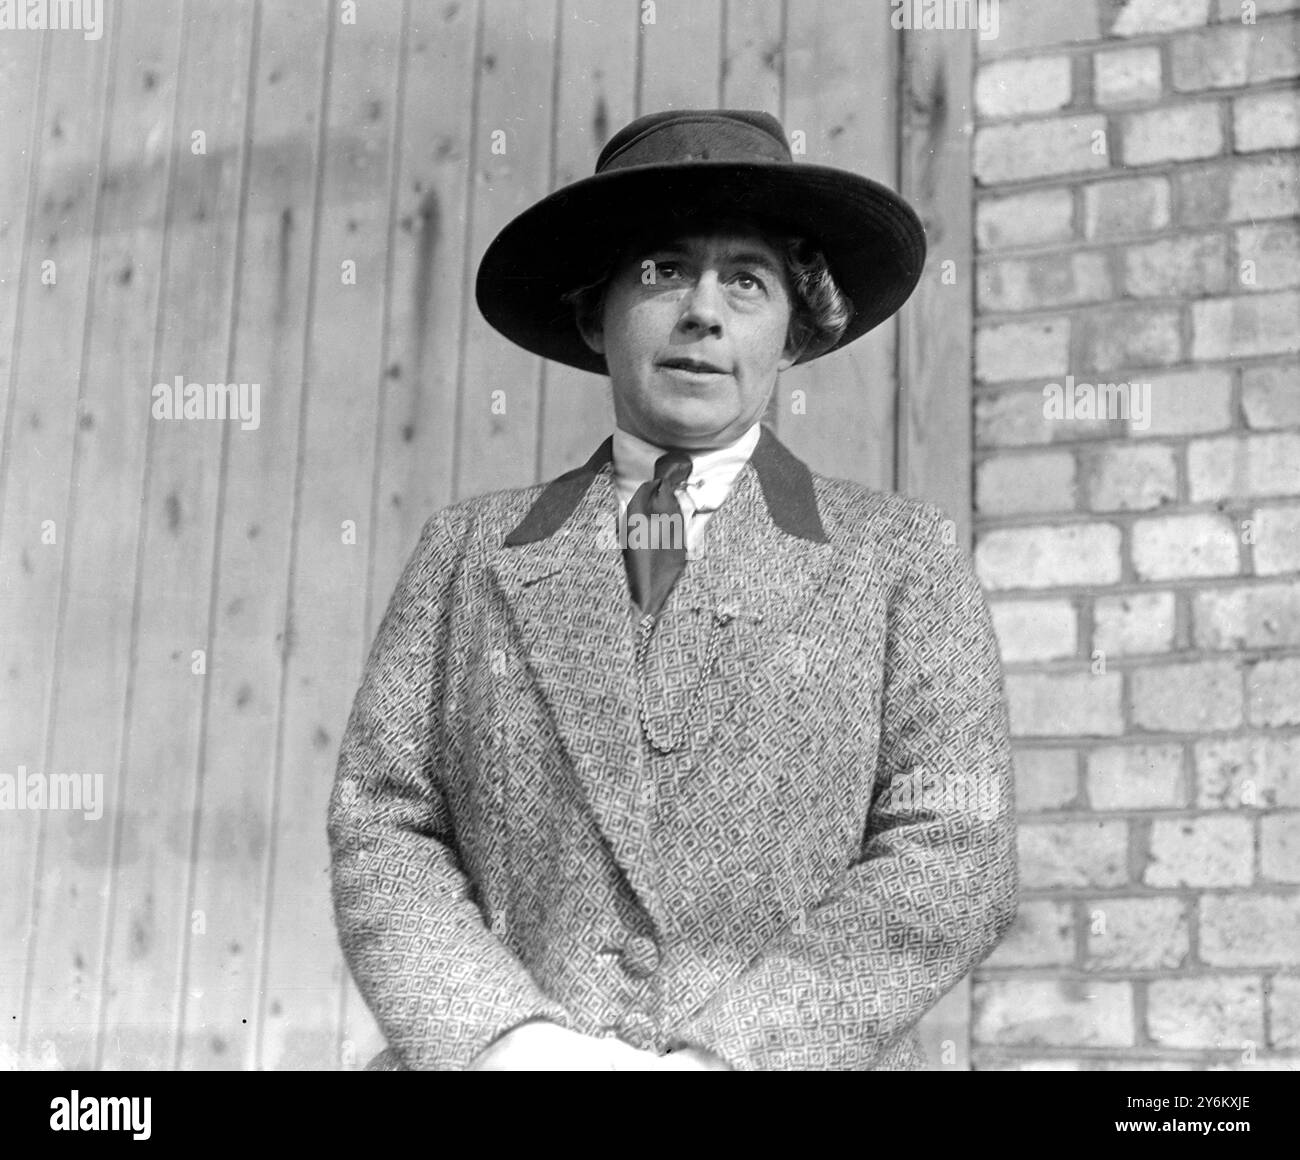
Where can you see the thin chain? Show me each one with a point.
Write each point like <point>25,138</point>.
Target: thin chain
<point>645,629</point>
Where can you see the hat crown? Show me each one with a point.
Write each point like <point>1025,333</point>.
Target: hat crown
<point>682,136</point>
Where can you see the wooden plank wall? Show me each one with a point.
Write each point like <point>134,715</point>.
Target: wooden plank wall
<point>296,194</point>
<point>933,438</point>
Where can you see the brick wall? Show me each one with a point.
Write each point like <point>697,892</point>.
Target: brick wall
<point>1137,191</point>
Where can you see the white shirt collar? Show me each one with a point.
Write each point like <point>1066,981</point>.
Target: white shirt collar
<point>712,472</point>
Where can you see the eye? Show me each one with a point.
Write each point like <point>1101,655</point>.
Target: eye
<point>665,271</point>
<point>747,282</point>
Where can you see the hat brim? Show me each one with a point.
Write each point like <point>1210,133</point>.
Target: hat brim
<point>873,241</point>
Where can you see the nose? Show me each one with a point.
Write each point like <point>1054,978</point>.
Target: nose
<point>702,308</point>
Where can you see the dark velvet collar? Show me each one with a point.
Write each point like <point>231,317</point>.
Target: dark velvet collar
<point>786,483</point>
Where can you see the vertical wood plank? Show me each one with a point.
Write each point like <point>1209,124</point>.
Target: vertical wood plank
<point>427,304</point>
<point>935,418</point>
<point>21,81</point>
<point>226,935</point>
<point>511,158</point>
<point>595,98</point>
<point>93,662</point>
<point>160,779</point>
<point>753,55</point>
<point>324,633</point>
<point>681,57</point>
<point>22,65</point>
<point>934,422</point>
<point>54,285</point>
<point>841,71</point>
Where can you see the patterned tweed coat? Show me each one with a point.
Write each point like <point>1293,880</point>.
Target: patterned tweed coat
<point>826,850</point>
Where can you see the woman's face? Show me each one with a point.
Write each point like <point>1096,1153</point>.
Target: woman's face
<point>694,332</point>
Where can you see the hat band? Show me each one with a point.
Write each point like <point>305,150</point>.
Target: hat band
<point>698,139</point>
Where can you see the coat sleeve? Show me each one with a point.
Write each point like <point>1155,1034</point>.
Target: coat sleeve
<point>441,985</point>
<point>935,885</point>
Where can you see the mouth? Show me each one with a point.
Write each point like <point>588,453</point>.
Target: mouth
<point>695,366</point>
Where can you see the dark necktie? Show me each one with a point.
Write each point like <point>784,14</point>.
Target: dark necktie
<point>655,554</point>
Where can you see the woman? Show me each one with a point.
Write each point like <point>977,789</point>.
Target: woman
<point>734,797</point>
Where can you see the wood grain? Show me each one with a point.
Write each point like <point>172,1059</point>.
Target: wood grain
<point>325,627</point>
<point>52,291</point>
<point>172,645</point>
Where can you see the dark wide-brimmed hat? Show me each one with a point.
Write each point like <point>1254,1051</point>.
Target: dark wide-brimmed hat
<point>669,168</point>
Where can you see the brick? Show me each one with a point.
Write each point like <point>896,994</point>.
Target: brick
<point>1026,219</point>
<point>1172,547</point>
<point>1038,283</point>
<point>1131,478</point>
<point>1032,24</point>
<point>1133,337</point>
<point>1203,851</point>
<point>1137,934</point>
<point>1053,1013</point>
<point>1019,419</point>
<point>1279,847</point>
<point>1041,936</point>
<point>1135,777</point>
<point>1043,557</point>
<point>1130,1063</point>
<point>1143,17</point>
<point>1126,76</point>
<point>1273,692</point>
<point>1250,930</point>
<point>1022,152</point>
<point>1015,484</point>
<point>1236,9</point>
<point>1261,616</point>
<point>1132,205</point>
<point>1036,84</point>
<point>1274,253</point>
<point>1046,779</point>
<point>1172,133</point>
<point>1269,187</point>
<point>1221,58</point>
<point>1246,190</point>
<point>1270,395</point>
<point>1022,350</point>
<point>1277,541</point>
<point>1065,705</point>
<point>1187,698</point>
<point>1139,622</point>
<point>1074,402</point>
<point>1035,630</point>
<point>1232,467</point>
<point>1210,1012</point>
<point>1261,324</point>
<point>1253,1061</point>
<point>1248,772</point>
<point>1283,995</point>
<point>983,1061</point>
<point>1073,854</point>
<point>1174,267</point>
<point>1187,403</point>
<point>1266,121</point>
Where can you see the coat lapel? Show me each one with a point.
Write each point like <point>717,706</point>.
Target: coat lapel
<point>561,573</point>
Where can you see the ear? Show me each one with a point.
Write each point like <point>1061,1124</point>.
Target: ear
<point>593,334</point>
<point>791,355</point>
